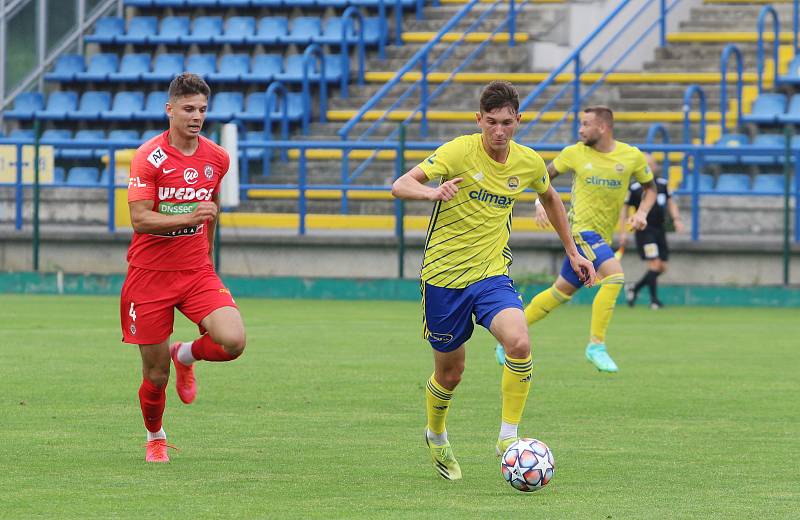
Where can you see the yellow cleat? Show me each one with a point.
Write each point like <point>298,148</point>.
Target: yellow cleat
<point>444,461</point>
<point>503,444</point>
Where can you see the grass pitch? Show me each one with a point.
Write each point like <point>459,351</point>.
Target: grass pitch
<point>323,417</point>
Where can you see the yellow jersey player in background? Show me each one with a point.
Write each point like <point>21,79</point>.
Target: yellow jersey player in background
<point>602,169</point>
<point>465,266</point>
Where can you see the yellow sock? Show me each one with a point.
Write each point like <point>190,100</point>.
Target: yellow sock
<point>603,305</point>
<point>438,400</point>
<point>543,303</point>
<point>515,385</point>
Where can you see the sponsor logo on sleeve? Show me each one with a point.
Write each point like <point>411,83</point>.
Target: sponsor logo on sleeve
<point>157,157</point>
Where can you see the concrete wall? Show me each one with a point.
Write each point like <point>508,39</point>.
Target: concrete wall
<point>713,261</point>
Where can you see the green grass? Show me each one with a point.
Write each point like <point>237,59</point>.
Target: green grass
<point>323,418</point>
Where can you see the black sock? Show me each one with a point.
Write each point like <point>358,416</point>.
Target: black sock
<point>652,285</point>
<point>645,280</point>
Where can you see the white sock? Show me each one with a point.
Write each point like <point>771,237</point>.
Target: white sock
<point>438,439</point>
<point>508,430</point>
<point>185,354</point>
<point>160,434</point>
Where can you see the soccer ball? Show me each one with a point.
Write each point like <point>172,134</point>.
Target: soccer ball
<point>528,465</point>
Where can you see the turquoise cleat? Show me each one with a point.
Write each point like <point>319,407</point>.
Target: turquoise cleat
<point>596,353</point>
<point>500,354</point>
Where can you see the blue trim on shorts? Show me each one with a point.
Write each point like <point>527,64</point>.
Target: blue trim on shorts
<point>448,312</point>
<point>602,252</point>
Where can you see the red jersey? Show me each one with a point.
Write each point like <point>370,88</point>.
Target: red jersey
<point>175,183</point>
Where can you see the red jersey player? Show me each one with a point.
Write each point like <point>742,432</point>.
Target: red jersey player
<point>173,196</point>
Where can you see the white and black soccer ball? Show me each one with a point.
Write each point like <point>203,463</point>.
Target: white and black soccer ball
<point>528,465</point>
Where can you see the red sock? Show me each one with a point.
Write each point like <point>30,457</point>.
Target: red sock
<point>204,348</point>
<point>152,399</point>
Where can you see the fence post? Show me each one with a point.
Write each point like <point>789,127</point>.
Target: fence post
<point>399,204</point>
<point>37,130</point>
<point>787,188</point>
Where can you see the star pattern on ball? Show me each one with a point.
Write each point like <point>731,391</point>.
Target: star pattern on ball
<point>542,463</point>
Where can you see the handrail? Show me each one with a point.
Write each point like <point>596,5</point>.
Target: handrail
<point>692,91</point>
<point>656,130</point>
<point>275,89</point>
<point>724,60</point>
<point>312,51</point>
<point>776,42</point>
<point>347,18</point>
<point>345,130</point>
<point>578,98</point>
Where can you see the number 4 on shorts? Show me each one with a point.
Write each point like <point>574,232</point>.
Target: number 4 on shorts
<point>132,312</point>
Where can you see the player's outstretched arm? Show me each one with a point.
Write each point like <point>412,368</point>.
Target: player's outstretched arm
<point>411,186</point>
<point>557,215</point>
<point>638,220</point>
<point>145,220</point>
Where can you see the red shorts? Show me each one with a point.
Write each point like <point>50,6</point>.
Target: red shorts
<point>149,297</point>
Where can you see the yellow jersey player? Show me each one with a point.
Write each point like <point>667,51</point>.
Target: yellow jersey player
<point>465,266</point>
<point>602,169</point>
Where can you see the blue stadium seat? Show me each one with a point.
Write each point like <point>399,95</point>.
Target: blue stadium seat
<point>270,30</point>
<point>332,34</point>
<point>92,104</point>
<point>792,114</point>
<point>727,141</point>
<point>305,29</point>
<point>231,68</point>
<point>293,69</point>
<point>56,134</point>
<point>795,143</point>
<point>140,28</point>
<point>793,71</point>
<point>766,109</point>
<point>205,30</point>
<point>67,66</point>
<point>238,30</point>
<point>154,107</point>
<point>252,154</point>
<point>165,67</point>
<point>83,175</point>
<point>106,30</point>
<point>264,68</point>
<point>203,65</point>
<point>173,30</point>
<point>89,152</point>
<point>234,3</point>
<point>149,134</point>
<point>170,3</point>
<point>266,3</point>
<point>768,184</point>
<point>202,3</point>
<point>100,67</point>
<point>333,3</point>
<point>132,68</point>
<point>125,107</point>
<point>766,140</point>
<point>22,133</point>
<point>333,68</point>
<point>58,105</point>
<point>26,105</point>
<point>256,107</point>
<point>58,175</point>
<point>734,182</point>
<point>225,106</point>
<point>123,135</point>
<point>299,3</point>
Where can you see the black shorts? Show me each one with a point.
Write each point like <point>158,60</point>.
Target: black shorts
<point>652,244</point>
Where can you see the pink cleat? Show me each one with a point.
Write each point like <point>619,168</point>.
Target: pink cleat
<point>184,376</point>
<point>157,450</point>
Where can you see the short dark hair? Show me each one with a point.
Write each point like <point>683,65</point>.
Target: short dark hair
<point>188,84</point>
<point>499,94</point>
<point>602,112</point>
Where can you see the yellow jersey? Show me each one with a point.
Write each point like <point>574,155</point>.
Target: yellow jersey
<point>467,239</point>
<point>599,184</point>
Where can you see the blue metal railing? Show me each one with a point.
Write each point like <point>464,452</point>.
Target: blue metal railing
<point>776,43</point>
<point>692,188</point>
<point>724,60</point>
<point>574,60</point>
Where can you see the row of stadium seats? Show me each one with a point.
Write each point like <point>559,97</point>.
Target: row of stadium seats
<point>742,141</point>
<point>232,68</point>
<point>237,30</point>
<point>265,3</point>
<point>735,183</point>
<point>133,106</point>
<point>80,176</point>
<point>772,108</point>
